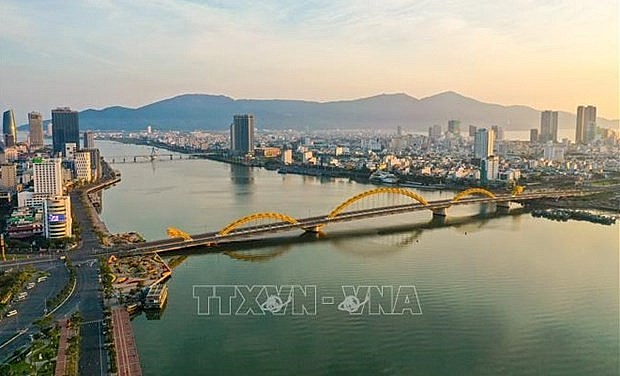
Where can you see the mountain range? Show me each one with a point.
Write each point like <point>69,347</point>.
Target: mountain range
<point>215,112</point>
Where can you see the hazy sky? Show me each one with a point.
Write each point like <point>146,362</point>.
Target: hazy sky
<point>547,54</point>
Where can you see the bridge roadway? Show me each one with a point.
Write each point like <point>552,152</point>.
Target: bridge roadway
<point>213,238</point>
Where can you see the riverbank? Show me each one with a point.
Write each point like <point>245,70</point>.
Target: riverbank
<point>605,201</point>
<point>427,183</point>
<point>109,179</point>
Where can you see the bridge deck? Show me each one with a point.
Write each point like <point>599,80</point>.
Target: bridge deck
<point>213,238</point>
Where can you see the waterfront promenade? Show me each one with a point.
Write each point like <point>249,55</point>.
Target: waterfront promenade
<point>127,361</point>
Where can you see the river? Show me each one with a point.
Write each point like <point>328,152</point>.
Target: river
<point>492,294</point>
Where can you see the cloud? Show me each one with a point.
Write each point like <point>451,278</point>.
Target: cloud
<point>136,51</point>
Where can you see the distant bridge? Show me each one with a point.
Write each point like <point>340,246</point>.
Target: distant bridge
<point>141,158</point>
<point>250,227</point>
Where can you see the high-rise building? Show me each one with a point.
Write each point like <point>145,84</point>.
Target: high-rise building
<point>82,165</point>
<point>35,121</point>
<point>454,127</point>
<point>9,175</point>
<point>9,130</point>
<point>586,124</point>
<point>242,134</point>
<point>47,176</point>
<point>434,132</point>
<point>472,131</point>
<point>498,132</point>
<point>483,143</point>
<point>552,152</point>
<point>489,168</point>
<point>549,126</point>
<point>57,211</point>
<point>89,140</point>
<point>533,135</point>
<point>66,128</point>
<point>95,163</point>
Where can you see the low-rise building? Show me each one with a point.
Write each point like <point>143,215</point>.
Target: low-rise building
<point>25,222</point>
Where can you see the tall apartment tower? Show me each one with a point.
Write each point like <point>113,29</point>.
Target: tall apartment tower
<point>483,143</point>
<point>66,128</point>
<point>35,120</point>
<point>242,134</point>
<point>549,126</point>
<point>9,130</point>
<point>454,127</point>
<point>89,140</point>
<point>586,124</point>
<point>47,176</point>
<point>8,172</point>
<point>83,168</point>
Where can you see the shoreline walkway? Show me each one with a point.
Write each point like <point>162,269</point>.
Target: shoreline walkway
<point>127,361</point>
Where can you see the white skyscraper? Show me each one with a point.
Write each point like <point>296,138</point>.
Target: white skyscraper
<point>490,167</point>
<point>483,143</point>
<point>47,175</point>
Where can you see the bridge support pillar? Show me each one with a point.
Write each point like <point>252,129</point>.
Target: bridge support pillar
<point>503,207</point>
<point>313,230</point>
<point>440,212</point>
<point>439,220</point>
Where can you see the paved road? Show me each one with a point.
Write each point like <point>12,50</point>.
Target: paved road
<point>32,308</point>
<point>88,297</point>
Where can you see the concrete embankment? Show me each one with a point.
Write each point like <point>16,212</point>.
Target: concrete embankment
<point>110,178</point>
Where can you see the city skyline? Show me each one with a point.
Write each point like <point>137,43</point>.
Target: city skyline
<point>323,52</point>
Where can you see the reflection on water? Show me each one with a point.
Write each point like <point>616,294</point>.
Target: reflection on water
<point>500,293</point>
<point>156,314</point>
<point>241,175</point>
<point>259,255</point>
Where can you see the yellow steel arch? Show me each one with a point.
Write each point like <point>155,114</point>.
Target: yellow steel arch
<point>471,192</point>
<point>377,191</point>
<point>176,233</point>
<point>517,190</point>
<point>255,217</point>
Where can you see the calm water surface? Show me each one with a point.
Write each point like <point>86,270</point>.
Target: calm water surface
<point>499,295</point>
